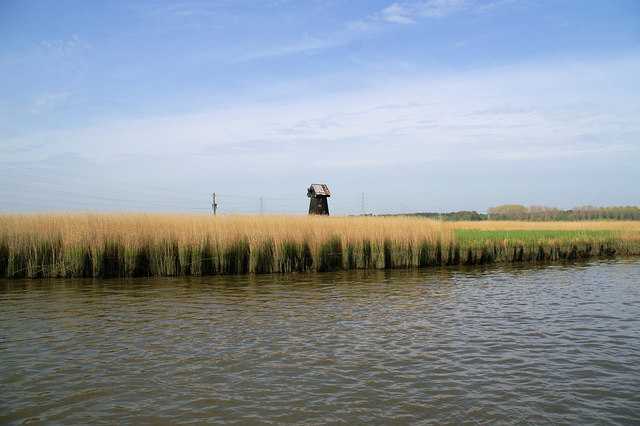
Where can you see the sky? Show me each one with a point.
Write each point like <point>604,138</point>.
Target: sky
<point>425,105</point>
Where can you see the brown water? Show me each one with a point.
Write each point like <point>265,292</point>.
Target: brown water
<point>559,344</point>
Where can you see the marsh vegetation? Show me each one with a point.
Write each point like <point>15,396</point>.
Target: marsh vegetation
<point>111,245</point>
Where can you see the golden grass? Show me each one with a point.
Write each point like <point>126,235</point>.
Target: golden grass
<point>189,228</point>
<point>40,245</point>
<point>196,244</point>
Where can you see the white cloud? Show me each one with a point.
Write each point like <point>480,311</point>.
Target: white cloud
<point>398,14</point>
<point>308,45</point>
<point>404,13</point>
<point>49,101</point>
<point>66,47</point>
<point>440,8</point>
<point>499,109</point>
<point>546,112</point>
<point>408,12</point>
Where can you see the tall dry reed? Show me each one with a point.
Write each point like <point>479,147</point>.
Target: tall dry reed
<point>86,245</point>
<point>154,244</point>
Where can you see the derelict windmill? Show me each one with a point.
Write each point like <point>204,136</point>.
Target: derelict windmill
<point>318,194</point>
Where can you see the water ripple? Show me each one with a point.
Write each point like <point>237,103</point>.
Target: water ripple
<point>555,344</point>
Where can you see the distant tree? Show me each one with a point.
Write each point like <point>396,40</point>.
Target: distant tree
<point>508,211</point>
<point>537,213</point>
<point>467,215</point>
<point>533,213</point>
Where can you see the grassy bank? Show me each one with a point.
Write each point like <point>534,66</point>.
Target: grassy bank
<point>85,245</point>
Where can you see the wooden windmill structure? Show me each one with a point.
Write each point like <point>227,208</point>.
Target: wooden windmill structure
<point>318,194</point>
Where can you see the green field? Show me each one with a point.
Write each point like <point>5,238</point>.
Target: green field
<point>477,236</point>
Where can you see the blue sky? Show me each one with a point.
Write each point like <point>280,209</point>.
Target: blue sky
<point>427,105</point>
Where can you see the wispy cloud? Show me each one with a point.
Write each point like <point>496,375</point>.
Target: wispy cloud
<point>49,101</point>
<point>65,47</point>
<point>308,45</point>
<point>408,12</point>
<point>397,14</point>
<point>431,128</point>
<point>403,13</point>
<point>495,113</point>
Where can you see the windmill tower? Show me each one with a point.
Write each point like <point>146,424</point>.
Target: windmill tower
<point>318,194</point>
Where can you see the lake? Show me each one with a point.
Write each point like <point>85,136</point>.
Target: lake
<point>553,344</point>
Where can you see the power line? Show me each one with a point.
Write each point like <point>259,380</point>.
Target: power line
<point>46,180</point>
<point>142,196</point>
<point>48,204</point>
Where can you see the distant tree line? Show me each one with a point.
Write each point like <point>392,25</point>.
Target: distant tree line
<point>537,213</point>
<point>460,215</point>
<point>519,212</point>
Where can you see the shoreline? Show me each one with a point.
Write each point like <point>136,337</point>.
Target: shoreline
<point>121,271</point>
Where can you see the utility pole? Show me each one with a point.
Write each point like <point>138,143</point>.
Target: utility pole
<point>362,204</point>
<point>214,204</point>
<point>261,205</point>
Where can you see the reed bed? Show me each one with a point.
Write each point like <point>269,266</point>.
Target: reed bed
<point>122,245</point>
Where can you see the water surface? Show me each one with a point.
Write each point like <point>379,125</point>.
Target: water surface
<point>555,344</point>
